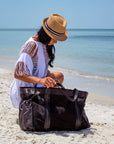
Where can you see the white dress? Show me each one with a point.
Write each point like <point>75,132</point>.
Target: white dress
<point>33,60</point>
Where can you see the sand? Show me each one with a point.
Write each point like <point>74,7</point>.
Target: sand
<point>99,109</point>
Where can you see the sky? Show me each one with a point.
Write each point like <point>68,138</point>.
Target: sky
<point>78,13</point>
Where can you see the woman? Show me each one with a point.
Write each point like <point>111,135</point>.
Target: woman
<point>35,56</point>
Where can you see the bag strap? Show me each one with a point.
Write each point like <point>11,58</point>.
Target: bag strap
<point>57,84</point>
<point>47,112</point>
<point>78,116</point>
<point>35,85</point>
<point>47,101</point>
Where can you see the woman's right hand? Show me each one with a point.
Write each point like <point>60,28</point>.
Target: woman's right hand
<point>48,82</point>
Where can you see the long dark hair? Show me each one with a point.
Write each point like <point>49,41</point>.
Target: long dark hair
<point>45,39</point>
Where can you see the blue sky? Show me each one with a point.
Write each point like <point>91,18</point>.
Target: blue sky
<point>79,13</point>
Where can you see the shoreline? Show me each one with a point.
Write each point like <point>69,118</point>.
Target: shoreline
<point>82,82</point>
<point>72,72</point>
<point>99,110</point>
<point>94,97</point>
<point>100,85</point>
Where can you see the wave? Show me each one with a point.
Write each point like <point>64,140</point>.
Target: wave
<point>18,29</point>
<point>70,72</point>
<point>84,75</point>
<point>92,37</point>
<point>7,60</point>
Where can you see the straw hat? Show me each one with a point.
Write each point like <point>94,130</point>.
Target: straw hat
<point>55,27</point>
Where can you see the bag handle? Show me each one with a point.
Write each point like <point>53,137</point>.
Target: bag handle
<point>57,84</point>
<point>60,85</point>
<point>69,98</point>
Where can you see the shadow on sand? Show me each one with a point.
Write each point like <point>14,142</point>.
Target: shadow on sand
<point>84,132</point>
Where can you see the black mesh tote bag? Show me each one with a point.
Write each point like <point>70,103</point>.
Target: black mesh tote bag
<point>45,109</point>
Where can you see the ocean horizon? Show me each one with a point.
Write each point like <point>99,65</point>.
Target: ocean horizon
<point>87,54</point>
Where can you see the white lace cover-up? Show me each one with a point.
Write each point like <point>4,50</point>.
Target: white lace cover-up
<point>33,60</point>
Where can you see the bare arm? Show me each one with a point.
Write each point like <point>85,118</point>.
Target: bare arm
<point>21,74</point>
<point>48,81</point>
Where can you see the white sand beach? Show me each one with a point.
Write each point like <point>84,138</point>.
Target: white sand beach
<point>99,109</point>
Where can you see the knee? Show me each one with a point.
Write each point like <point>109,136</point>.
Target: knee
<point>61,77</point>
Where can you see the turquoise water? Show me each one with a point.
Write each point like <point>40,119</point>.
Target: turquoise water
<point>86,53</point>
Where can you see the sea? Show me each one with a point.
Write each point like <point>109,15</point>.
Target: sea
<point>86,58</point>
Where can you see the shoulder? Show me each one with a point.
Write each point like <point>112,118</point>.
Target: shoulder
<point>30,48</point>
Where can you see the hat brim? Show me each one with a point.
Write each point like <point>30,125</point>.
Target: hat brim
<point>59,38</point>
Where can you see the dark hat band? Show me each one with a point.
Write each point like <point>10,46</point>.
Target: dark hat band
<point>58,34</point>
